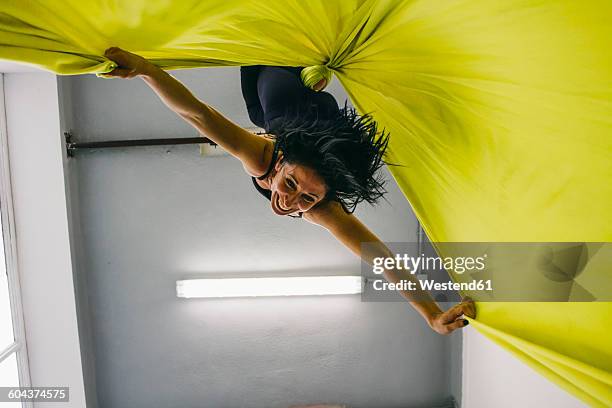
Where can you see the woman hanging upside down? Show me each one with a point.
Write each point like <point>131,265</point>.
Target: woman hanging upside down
<point>316,161</point>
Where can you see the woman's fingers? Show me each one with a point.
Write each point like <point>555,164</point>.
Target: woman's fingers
<point>452,319</point>
<point>128,65</point>
<point>469,307</point>
<point>457,324</point>
<point>447,328</point>
<point>445,323</point>
<point>466,308</point>
<point>111,50</point>
<point>453,313</point>
<point>121,57</point>
<point>117,55</point>
<point>119,73</point>
<point>320,85</point>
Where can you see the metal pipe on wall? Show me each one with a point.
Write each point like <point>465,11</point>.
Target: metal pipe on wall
<point>72,146</point>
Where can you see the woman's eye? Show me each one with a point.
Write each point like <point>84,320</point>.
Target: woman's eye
<point>290,184</point>
<point>308,199</point>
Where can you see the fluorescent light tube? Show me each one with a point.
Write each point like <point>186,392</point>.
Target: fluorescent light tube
<point>284,286</point>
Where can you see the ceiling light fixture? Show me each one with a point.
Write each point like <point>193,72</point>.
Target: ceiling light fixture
<point>283,286</point>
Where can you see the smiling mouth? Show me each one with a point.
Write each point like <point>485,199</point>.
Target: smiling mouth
<point>278,203</point>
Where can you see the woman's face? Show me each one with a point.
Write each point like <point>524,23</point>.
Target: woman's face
<point>295,188</point>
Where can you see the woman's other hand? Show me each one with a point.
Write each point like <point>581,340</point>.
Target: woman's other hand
<point>129,65</point>
<point>452,319</point>
<point>320,85</point>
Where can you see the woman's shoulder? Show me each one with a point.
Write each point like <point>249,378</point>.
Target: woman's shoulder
<point>263,157</point>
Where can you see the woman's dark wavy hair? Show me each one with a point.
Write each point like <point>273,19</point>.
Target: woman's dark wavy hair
<point>346,151</point>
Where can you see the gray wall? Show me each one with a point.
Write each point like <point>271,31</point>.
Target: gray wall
<point>151,216</point>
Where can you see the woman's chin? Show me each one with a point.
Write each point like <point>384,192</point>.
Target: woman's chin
<point>277,211</point>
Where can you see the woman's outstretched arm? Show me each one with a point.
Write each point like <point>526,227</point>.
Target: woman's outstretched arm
<point>254,151</point>
<point>352,233</point>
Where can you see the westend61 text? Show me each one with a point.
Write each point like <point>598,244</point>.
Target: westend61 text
<point>475,285</point>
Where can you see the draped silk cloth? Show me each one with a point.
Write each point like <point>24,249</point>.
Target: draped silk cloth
<point>500,113</point>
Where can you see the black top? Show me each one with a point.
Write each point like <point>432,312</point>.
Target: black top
<point>276,94</point>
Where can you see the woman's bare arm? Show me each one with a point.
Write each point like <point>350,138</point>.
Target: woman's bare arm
<point>253,151</point>
<point>352,233</point>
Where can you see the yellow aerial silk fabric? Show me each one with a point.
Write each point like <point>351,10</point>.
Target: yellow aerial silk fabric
<point>500,112</point>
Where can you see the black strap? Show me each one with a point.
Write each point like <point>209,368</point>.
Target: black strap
<point>272,163</point>
<point>263,191</point>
